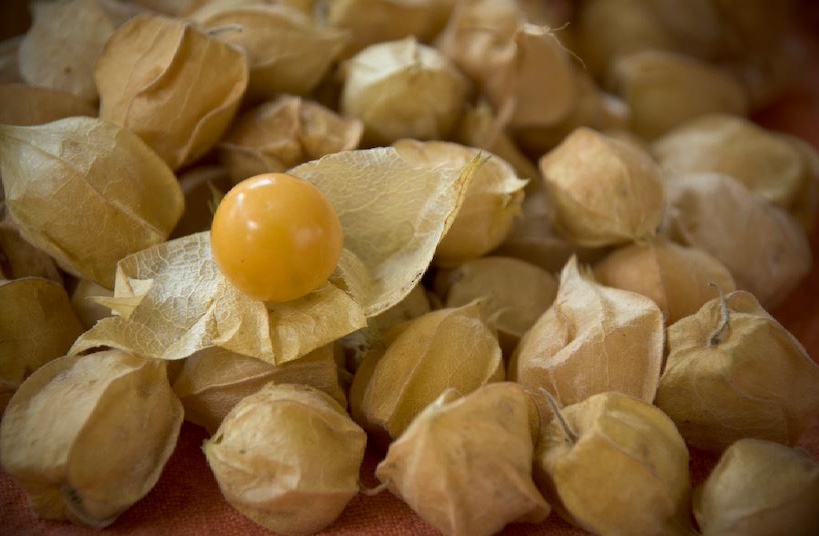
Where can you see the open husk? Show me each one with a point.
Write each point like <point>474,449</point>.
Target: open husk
<point>465,464</point>
<point>87,437</point>
<point>301,485</point>
<point>29,105</point>
<point>204,187</point>
<point>145,74</point>
<point>83,300</point>
<point>732,372</point>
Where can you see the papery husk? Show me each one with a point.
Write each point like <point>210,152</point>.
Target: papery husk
<point>171,301</point>
<point>492,200</point>
<point>9,60</point>
<point>213,381</point>
<point>284,133</point>
<point>61,47</point>
<point>602,191</point>
<point>287,52</point>
<point>145,74</point>
<point>747,378</point>
<point>302,485</point>
<point>414,304</point>
<point>765,250</point>
<point>615,465</point>
<point>172,8</point>
<point>19,259</point>
<point>664,90</point>
<point>83,300</point>
<point>759,159</point>
<point>87,437</point>
<point>805,205</point>
<point>757,24</point>
<point>593,339</point>
<point>697,26</point>
<point>465,464</point>
<point>512,293</point>
<point>29,105</point>
<point>679,279</point>
<point>554,14</point>
<point>204,187</point>
<point>37,324</point>
<point>448,348</point>
<point>403,89</point>
<point>759,488</point>
<point>87,192</point>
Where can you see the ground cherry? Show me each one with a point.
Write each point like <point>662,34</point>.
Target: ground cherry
<point>276,237</point>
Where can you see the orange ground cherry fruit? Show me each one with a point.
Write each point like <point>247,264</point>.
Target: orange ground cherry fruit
<point>276,237</point>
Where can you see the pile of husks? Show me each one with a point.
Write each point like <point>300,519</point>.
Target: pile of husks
<point>513,338</point>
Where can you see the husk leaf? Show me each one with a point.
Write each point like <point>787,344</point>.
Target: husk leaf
<point>83,300</point>
<point>19,259</point>
<point>29,105</point>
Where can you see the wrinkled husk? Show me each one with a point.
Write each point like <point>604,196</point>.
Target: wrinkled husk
<point>28,105</point>
<point>37,325</point>
<point>145,74</point>
<point>492,200</point>
<point>765,249</point>
<point>664,90</point>
<point>87,437</point>
<point>204,187</point>
<point>287,52</point>
<point>288,458</point>
<point>87,192</point>
<point>448,348</point>
<point>9,60</point>
<point>593,339</point>
<point>679,279</point>
<point>761,160</point>
<point>749,379</point>
<point>19,259</point>
<point>465,464</point>
<point>284,133</point>
<point>83,300</point>
<point>513,294</point>
<point>602,191</point>
<point>760,488</point>
<point>213,381</point>
<point>402,89</point>
<point>61,47</point>
<point>624,473</point>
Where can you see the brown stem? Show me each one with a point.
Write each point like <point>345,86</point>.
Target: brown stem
<point>559,416</point>
<point>714,338</point>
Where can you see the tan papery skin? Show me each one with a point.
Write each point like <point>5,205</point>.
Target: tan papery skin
<point>747,378</point>
<point>615,465</point>
<point>593,339</point>
<point>29,105</point>
<point>18,258</point>
<point>145,74</point>
<point>759,488</point>
<point>87,437</point>
<point>288,457</point>
<point>465,464</point>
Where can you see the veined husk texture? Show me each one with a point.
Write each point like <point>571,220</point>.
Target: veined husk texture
<point>154,68</point>
<point>759,488</point>
<point>87,192</point>
<point>593,339</point>
<point>615,465</point>
<point>465,463</point>
<point>750,378</point>
<point>288,458</point>
<point>87,437</point>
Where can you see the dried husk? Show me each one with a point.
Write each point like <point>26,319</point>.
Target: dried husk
<point>29,105</point>
<point>761,160</point>
<point>83,300</point>
<point>87,437</point>
<point>9,60</point>
<point>602,191</point>
<point>744,377</point>
<point>287,52</point>
<point>697,26</point>
<point>204,187</point>
<point>448,348</point>
<point>679,279</point>
<point>492,201</point>
<point>284,133</point>
<point>414,304</point>
<point>37,324</point>
<point>664,90</point>
<point>403,89</point>
<point>765,249</point>
<point>614,464</point>
<point>512,293</point>
<point>19,259</point>
<point>145,74</point>
<point>805,205</point>
<point>87,192</point>
<point>213,381</point>
<point>465,464</point>
<point>593,339</point>
<point>301,485</point>
<point>61,47</point>
<point>759,488</point>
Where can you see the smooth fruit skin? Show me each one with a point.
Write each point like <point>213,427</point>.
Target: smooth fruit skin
<point>276,237</point>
